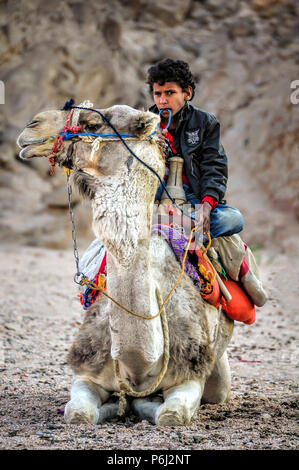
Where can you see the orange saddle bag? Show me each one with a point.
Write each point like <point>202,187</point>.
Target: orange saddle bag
<point>214,298</point>
<point>240,307</point>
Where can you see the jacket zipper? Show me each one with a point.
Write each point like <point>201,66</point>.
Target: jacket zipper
<point>192,168</point>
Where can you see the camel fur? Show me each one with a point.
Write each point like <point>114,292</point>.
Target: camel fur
<point>122,192</point>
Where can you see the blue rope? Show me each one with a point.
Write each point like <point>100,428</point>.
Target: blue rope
<point>169,117</point>
<point>70,135</point>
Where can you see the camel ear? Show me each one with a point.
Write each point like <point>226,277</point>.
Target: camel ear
<point>144,123</point>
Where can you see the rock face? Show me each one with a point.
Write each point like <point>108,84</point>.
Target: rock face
<point>244,56</point>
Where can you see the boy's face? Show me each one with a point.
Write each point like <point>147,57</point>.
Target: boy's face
<point>170,95</point>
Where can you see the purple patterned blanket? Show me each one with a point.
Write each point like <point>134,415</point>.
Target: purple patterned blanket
<point>178,242</point>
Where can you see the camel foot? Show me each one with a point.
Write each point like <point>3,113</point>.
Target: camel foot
<point>78,412</point>
<point>107,412</point>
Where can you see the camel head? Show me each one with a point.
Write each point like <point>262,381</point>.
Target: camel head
<point>107,174</point>
<point>37,139</point>
<point>39,135</point>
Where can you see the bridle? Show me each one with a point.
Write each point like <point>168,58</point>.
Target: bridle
<point>68,133</point>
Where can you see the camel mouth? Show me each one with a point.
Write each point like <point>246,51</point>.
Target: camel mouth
<point>26,143</point>
<point>28,147</point>
<point>27,152</point>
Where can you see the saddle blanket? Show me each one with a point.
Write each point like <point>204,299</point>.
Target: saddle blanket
<point>93,262</point>
<point>240,308</point>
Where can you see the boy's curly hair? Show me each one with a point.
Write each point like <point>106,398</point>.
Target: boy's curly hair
<point>169,70</point>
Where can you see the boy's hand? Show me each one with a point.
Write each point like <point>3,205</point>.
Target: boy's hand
<point>206,211</point>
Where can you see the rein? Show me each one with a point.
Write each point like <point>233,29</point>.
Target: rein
<point>85,281</point>
<point>68,133</point>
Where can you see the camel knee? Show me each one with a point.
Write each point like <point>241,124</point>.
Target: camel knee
<point>181,404</point>
<point>173,413</point>
<point>219,395</point>
<point>81,411</point>
<point>86,398</point>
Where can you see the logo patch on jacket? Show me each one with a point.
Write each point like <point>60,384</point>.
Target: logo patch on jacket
<point>192,136</point>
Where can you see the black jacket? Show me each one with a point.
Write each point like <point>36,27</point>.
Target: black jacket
<point>198,136</point>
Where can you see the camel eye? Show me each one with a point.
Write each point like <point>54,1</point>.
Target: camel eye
<point>92,127</point>
<point>32,124</point>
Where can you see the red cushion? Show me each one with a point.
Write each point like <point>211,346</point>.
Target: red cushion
<point>215,297</point>
<point>240,308</point>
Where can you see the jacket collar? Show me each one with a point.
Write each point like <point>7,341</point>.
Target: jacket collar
<point>183,114</point>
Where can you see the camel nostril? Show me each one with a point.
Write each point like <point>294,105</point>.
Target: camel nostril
<point>33,123</point>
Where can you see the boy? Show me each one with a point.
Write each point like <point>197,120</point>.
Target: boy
<point>194,134</point>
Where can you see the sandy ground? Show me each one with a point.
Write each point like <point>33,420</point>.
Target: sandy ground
<point>40,315</point>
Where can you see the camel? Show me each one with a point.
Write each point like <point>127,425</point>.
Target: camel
<point>141,270</point>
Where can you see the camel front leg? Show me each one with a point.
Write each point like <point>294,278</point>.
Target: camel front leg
<point>86,399</point>
<point>181,403</point>
<point>218,385</point>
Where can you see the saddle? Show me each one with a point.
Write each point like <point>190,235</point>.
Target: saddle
<point>230,257</point>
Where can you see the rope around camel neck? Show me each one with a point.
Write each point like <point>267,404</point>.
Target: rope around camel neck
<point>124,387</point>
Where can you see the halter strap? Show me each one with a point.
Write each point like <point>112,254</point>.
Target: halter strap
<point>70,135</point>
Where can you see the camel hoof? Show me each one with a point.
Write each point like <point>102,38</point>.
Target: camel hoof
<point>79,413</point>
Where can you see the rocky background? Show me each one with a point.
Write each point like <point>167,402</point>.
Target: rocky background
<point>244,55</point>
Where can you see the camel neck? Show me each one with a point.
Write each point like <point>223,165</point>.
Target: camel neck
<point>134,337</point>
